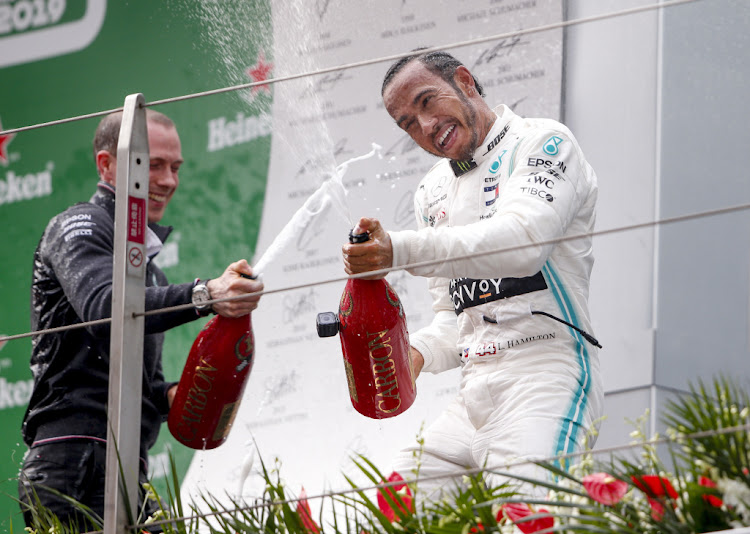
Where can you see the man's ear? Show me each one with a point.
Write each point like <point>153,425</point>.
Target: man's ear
<point>106,166</point>
<point>465,81</point>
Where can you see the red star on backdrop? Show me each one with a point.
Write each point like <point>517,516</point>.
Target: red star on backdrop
<point>4,140</point>
<point>259,73</point>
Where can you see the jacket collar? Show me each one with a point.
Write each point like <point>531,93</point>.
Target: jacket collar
<point>105,198</point>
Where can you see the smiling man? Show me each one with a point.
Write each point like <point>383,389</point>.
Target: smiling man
<point>446,117</point>
<point>65,425</point>
<point>516,322</point>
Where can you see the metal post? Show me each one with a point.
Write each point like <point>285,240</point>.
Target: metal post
<point>128,298</point>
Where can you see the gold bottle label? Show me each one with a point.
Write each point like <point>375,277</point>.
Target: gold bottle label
<point>384,372</point>
<point>226,418</point>
<point>350,381</point>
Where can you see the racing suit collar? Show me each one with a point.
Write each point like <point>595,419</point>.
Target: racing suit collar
<point>498,131</point>
<point>485,149</point>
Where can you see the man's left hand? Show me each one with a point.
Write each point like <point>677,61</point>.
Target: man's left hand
<point>171,392</point>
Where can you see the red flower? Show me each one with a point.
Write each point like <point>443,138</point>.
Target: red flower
<point>656,489</point>
<point>657,509</point>
<point>654,486</point>
<point>477,529</point>
<point>401,496</point>
<point>713,500</point>
<point>303,511</point>
<point>516,512</point>
<point>604,488</point>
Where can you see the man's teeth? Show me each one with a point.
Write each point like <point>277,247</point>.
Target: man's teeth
<point>157,198</point>
<point>442,137</point>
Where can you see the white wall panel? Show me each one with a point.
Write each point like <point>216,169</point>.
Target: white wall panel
<point>611,106</point>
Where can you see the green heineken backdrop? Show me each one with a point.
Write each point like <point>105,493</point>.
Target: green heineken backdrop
<point>63,58</point>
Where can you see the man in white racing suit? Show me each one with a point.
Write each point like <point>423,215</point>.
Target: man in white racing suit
<point>516,321</point>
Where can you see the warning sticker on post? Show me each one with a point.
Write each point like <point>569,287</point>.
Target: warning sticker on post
<point>137,220</point>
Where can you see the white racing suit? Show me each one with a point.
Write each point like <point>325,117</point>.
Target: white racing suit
<point>530,385</point>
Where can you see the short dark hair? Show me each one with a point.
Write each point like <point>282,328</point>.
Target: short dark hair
<point>108,131</point>
<point>441,63</point>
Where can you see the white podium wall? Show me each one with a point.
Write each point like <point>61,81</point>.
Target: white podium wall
<point>657,101</point>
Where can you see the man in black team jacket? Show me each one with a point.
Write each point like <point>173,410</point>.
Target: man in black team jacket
<point>65,425</point>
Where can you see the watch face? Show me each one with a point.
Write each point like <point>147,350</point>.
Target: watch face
<point>200,294</point>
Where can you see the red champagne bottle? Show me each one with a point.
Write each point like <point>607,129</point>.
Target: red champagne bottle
<point>375,346</point>
<point>212,383</point>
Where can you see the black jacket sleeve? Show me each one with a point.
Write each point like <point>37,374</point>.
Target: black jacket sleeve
<point>79,250</point>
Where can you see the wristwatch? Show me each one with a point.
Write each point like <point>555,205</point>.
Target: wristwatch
<point>200,296</point>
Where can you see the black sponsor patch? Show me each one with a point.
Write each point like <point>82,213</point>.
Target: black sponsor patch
<point>462,167</point>
<point>469,292</point>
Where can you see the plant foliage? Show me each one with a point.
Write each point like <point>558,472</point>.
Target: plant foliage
<point>696,480</point>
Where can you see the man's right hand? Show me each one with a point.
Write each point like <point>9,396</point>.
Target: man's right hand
<point>233,284</point>
<point>377,253</point>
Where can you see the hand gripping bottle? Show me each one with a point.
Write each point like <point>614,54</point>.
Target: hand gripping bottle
<point>375,345</point>
<point>212,383</point>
